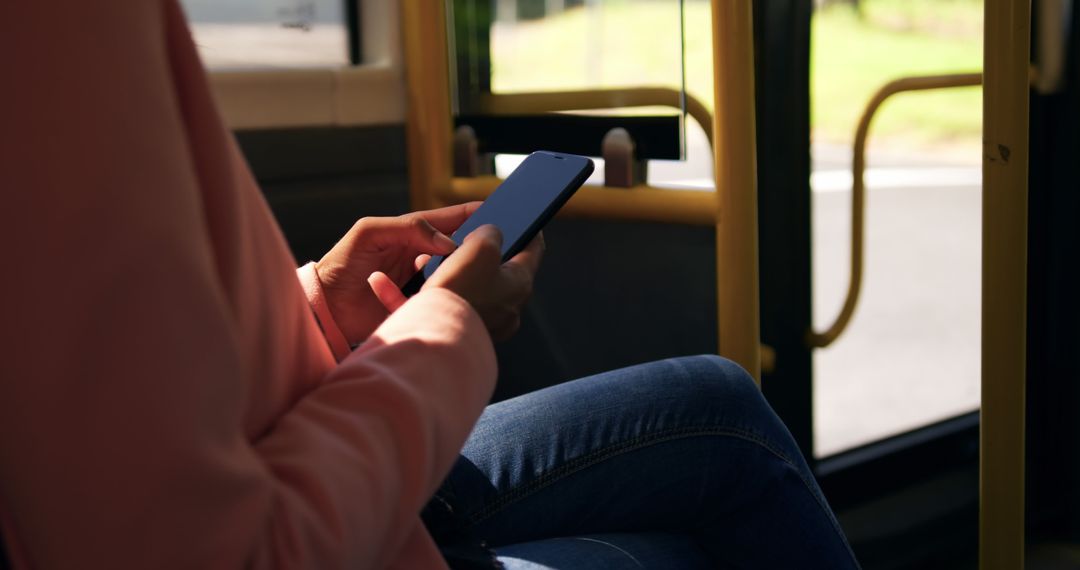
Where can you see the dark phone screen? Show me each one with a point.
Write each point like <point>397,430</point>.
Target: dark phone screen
<point>525,200</point>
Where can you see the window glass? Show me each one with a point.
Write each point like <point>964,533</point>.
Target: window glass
<point>545,45</point>
<point>541,46</point>
<point>245,34</point>
<point>910,355</point>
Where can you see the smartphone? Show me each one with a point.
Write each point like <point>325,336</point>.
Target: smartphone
<point>521,206</point>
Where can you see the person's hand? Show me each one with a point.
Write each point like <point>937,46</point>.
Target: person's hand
<point>394,248</point>
<point>496,290</point>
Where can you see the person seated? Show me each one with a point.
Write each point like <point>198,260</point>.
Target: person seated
<point>176,394</point>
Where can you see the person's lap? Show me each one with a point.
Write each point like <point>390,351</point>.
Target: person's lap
<point>672,464</point>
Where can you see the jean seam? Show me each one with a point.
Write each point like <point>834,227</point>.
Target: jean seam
<point>597,456</point>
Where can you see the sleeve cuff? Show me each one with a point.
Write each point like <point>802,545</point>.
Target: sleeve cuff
<point>309,279</point>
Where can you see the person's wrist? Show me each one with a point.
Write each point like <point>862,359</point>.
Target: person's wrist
<point>320,305</point>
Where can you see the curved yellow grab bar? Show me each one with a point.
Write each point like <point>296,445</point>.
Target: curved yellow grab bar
<point>858,190</point>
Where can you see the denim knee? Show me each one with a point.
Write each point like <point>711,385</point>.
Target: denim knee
<point>713,377</point>
<point>719,383</point>
<point>729,375</point>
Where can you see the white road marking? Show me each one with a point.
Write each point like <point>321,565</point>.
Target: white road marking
<point>841,180</point>
<point>821,181</point>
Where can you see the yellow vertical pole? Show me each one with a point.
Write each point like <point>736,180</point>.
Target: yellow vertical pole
<point>428,120</point>
<point>1004,291</point>
<point>735,169</point>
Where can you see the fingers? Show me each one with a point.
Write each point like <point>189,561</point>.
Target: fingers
<point>422,232</point>
<point>409,231</point>
<point>426,238</point>
<point>482,248</point>
<point>487,233</point>
<point>450,218</point>
<point>421,261</point>
<point>386,291</point>
<point>495,290</point>
<point>485,245</point>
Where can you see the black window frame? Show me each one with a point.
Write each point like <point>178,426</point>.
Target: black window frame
<point>655,137</point>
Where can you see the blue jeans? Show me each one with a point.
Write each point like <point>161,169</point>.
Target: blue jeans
<point>674,464</point>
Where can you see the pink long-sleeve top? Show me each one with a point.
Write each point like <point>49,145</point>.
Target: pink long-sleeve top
<point>167,397</point>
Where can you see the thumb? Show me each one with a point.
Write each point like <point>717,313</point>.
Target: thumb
<point>426,238</point>
<point>480,251</point>
<point>487,235</point>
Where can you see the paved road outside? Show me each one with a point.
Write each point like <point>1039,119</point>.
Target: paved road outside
<point>911,353</point>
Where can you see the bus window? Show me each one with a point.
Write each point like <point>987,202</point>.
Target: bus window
<point>247,34</point>
<point>910,354</point>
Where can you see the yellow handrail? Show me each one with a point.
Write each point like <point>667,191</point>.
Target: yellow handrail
<point>1006,46</point>
<point>858,188</point>
<point>429,142</point>
<point>640,203</point>
<point>735,174</point>
<point>427,119</point>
